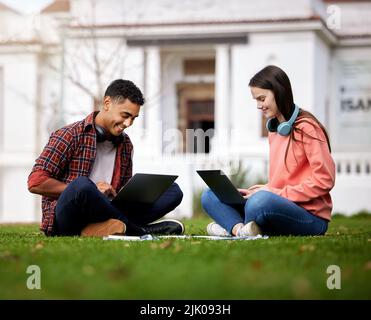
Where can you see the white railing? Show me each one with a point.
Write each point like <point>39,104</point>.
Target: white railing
<point>352,191</point>
<point>353,164</point>
<point>350,194</point>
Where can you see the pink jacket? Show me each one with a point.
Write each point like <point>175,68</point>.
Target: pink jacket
<point>310,172</point>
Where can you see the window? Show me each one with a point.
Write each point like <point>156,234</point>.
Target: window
<point>199,67</point>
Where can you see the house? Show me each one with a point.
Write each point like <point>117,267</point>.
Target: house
<point>193,61</point>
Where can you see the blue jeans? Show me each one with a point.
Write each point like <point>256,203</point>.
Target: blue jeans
<point>274,214</point>
<point>82,203</point>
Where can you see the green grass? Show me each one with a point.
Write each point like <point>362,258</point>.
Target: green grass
<point>276,268</point>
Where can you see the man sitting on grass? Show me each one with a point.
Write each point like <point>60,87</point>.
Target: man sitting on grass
<point>86,162</point>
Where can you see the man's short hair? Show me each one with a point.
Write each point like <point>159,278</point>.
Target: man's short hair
<point>120,89</point>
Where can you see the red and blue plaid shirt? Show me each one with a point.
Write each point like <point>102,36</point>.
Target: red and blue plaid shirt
<point>69,154</point>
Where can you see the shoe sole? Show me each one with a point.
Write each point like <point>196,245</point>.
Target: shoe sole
<point>171,220</point>
<point>105,228</point>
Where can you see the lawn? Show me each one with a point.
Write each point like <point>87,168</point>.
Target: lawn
<point>276,268</point>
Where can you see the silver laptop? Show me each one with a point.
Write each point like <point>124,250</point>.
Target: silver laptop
<point>144,188</point>
<point>223,188</point>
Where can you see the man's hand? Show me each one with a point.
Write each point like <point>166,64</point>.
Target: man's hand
<point>246,193</point>
<point>106,189</point>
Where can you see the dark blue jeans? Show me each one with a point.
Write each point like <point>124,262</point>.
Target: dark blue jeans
<point>274,214</point>
<point>82,203</point>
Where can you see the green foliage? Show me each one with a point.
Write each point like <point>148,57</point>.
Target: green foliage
<point>241,177</point>
<point>362,214</point>
<point>198,211</point>
<point>356,215</point>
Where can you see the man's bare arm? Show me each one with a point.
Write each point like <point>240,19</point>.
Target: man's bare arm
<point>49,188</point>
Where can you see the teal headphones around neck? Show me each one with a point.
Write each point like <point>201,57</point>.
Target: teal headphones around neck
<point>283,128</point>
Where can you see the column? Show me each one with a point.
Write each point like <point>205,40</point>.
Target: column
<point>223,105</point>
<point>153,114</point>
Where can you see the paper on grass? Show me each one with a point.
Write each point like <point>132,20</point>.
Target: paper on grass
<point>150,237</point>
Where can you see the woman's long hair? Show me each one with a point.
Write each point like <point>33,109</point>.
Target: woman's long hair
<point>275,79</point>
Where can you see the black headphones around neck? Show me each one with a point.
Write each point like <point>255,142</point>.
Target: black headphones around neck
<point>104,135</point>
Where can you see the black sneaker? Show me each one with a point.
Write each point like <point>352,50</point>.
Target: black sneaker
<point>165,227</point>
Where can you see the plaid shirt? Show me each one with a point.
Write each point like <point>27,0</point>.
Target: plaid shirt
<point>69,154</point>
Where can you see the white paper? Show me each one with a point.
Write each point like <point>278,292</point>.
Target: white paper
<point>150,237</point>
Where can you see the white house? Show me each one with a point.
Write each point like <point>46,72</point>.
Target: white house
<point>193,60</point>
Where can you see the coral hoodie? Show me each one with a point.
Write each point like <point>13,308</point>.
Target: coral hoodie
<point>309,173</point>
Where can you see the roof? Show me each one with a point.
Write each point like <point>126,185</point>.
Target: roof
<point>4,7</point>
<point>344,1</point>
<point>57,6</point>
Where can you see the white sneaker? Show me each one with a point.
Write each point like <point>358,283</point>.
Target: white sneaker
<point>249,229</point>
<point>214,229</point>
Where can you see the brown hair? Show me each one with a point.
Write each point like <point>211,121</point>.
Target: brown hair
<point>275,79</point>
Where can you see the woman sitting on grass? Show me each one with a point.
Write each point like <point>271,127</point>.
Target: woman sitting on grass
<point>296,199</point>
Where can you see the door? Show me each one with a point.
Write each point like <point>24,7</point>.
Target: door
<point>196,116</point>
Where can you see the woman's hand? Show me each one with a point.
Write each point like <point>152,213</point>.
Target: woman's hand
<point>246,193</point>
<point>106,189</point>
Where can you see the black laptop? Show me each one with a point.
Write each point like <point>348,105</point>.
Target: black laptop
<point>223,188</point>
<point>144,188</point>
